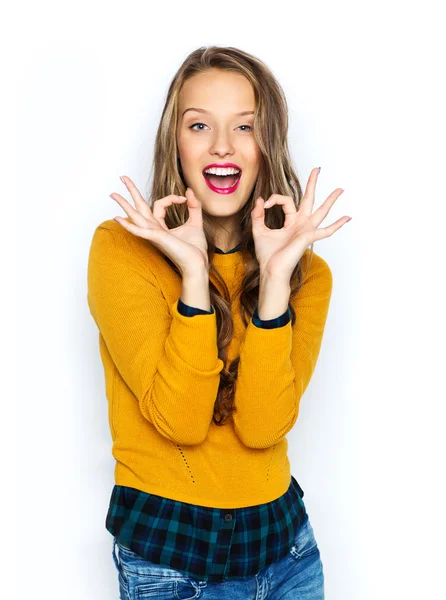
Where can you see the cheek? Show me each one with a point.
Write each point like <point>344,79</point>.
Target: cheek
<point>184,155</point>
<point>188,152</point>
<point>180,145</point>
<point>255,154</point>
<point>255,163</point>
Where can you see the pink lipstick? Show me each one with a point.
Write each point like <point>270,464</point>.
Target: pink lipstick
<point>213,184</point>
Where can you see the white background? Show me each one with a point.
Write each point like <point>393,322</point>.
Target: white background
<point>363,84</point>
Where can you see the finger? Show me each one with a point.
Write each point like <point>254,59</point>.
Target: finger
<point>319,215</point>
<point>324,232</point>
<point>143,232</point>
<point>195,208</point>
<point>141,205</point>
<point>258,217</point>
<point>287,203</point>
<point>159,208</point>
<point>136,217</point>
<point>307,202</point>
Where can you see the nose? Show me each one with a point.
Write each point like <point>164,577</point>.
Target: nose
<point>221,144</point>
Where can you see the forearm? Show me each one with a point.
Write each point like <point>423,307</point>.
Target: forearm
<point>163,357</point>
<point>195,289</point>
<point>274,296</point>
<point>277,364</point>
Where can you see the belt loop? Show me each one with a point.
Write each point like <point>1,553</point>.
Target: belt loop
<point>114,554</point>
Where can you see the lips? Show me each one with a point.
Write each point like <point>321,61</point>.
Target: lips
<point>222,166</point>
<point>215,182</point>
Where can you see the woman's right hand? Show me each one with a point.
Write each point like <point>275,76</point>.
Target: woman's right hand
<point>186,245</point>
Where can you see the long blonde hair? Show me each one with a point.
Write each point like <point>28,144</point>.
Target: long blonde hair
<point>276,175</point>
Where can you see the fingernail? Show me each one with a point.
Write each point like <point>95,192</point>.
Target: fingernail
<point>319,170</point>
<point>183,197</point>
<point>121,178</point>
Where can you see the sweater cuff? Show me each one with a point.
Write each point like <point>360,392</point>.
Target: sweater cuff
<point>190,311</point>
<point>271,323</point>
<point>195,340</point>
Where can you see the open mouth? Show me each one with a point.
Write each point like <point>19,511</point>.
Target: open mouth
<point>222,184</point>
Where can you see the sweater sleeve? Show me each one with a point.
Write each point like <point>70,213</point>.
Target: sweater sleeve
<point>168,360</point>
<point>271,323</point>
<point>191,311</point>
<point>276,365</point>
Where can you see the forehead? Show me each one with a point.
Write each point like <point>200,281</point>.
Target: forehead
<point>217,91</point>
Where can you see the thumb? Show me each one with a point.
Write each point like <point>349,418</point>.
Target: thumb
<point>194,206</point>
<point>258,217</point>
<point>192,200</point>
<point>258,212</point>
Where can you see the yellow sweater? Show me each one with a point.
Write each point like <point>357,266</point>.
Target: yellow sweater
<point>162,374</point>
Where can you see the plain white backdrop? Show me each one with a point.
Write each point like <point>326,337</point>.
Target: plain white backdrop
<point>364,87</point>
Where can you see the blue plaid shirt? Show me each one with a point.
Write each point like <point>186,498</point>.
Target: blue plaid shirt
<point>211,544</point>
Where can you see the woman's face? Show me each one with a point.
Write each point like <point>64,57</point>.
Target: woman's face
<point>218,134</point>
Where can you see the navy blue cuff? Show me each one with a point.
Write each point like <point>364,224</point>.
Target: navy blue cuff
<point>190,311</point>
<point>271,323</point>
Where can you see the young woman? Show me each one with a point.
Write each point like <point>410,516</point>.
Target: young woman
<point>211,311</point>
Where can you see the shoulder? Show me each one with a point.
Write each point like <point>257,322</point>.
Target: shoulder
<point>112,233</point>
<point>317,274</point>
<point>112,242</point>
<point>315,265</point>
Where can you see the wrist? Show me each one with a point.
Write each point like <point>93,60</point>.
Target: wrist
<point>274,278</point>
<point>196,272</point>
<point>274,296</point>
<point>195,290</point>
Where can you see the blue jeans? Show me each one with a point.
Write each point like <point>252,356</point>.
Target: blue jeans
<point>299,575</point>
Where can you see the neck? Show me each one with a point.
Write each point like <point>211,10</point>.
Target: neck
<point>226,247</point>
<point>227,239</point>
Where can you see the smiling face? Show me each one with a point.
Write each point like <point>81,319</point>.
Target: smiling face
<point>218,136</point>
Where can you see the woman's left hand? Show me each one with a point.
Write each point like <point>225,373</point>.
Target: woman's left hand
<point>279,250</point>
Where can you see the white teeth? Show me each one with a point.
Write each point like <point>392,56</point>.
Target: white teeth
<point>222,171</point>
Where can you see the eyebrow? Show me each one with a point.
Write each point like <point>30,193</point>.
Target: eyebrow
<point>201,110</point>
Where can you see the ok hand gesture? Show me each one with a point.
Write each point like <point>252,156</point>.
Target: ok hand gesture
<point>279,250</point>
<point>185,245</point>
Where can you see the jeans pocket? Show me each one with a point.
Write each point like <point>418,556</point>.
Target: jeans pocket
<point>164,590</point>
<point>141,579</point>
<point>304,542</point>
